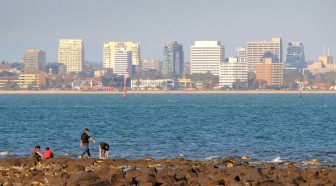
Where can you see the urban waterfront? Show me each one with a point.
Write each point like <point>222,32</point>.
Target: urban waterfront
<point>193,126</point>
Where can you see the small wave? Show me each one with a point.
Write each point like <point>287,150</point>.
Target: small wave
<point>211,157</point>
<point>277,159</point>
<point>6,153</point>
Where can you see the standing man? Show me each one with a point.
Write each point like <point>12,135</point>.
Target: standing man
<point>84,142</point>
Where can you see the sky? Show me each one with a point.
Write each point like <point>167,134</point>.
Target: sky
<point>39,24</point>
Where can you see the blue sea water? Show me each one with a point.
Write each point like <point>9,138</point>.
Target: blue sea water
<point>193,126</point>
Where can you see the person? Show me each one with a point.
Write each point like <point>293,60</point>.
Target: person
<point>37,154</point>
<point>103,147</point>
<point>48,153</point>
<point>84,142</point>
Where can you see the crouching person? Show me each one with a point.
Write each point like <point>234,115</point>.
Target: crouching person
<point>103,150</point>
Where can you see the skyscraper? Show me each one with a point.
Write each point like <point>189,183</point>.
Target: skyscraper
<point>71,54</point>
<point>173,59</point>
<point>122,62</point>
<point>111,47</point>
<point>206,56</point>
<point>34,58</point>
<point>295,56</point>
<point>256,50</point>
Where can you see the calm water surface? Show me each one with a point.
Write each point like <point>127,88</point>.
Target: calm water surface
<point>169,126</point>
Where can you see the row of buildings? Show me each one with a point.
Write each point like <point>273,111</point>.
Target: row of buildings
<point>264,58</point>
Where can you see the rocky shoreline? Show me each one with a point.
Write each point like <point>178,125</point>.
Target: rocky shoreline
<point>164,172</point>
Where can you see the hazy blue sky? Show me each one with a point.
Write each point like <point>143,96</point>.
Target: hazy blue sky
<point>39,24</point>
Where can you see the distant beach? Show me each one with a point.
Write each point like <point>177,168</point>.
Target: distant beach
<point>167,92</point>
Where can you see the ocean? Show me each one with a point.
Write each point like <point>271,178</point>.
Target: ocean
<point>192,126</point>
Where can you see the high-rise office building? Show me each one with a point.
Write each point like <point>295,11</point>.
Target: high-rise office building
<point>231,72</point>
<point>34,58</point>
<point>271,72</point>
<point>173,59</point>
<point>256,50</point>
<point>295,56</point>
<point>122,62</point>
<point>71,54</point>
<point>110,47</point>
<point>241,55</point>
<point>206,56</point>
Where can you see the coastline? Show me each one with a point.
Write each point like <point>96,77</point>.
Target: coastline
<point>166,92</point>
<point>147,171</point>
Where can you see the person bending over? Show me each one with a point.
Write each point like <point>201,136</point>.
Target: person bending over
<point>103,150</point>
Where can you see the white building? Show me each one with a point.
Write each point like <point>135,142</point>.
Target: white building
<point>152,84</point>
<point>122,62</point>
<point>232,71</point>
<point>256,50</point>
<point>110,47</point>
<point>241,55</point>
<point>206,56</point>
<point>71,54</point>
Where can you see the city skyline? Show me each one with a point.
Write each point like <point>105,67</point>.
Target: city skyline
<point>153,24</point>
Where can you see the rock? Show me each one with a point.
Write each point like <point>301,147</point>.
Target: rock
<point>83,178</point>
<point>244,157</point>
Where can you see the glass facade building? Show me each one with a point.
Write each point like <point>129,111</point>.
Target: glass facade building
<point>173,59</point>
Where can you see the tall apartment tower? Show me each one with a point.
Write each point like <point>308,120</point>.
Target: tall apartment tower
<point>34,58</point>
<point>122,62</point>
<point>256,50</point>
<point>295,56</point>
<point>110,47</point>
<point>71,54</point>
<point>206,56</point>
<point>271,72</point>
<point>173,59</point>
<point>241,55</point>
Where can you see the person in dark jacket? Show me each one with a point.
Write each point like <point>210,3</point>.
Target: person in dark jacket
<point>84,142</point>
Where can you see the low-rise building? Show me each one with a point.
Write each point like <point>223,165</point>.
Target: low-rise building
<point>184,84</point>
<point>31,78</point>
<point>152,84</point>
<point>322,65</point>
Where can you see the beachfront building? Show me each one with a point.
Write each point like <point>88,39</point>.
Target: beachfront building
<point>173,59</point>
<point>270,72</point>
<point>152,84</point>
<point>71,54</point>
<point>31,78</point>
<point>322,65</point>
<point>34,58</point>
<point>109,49</point>
<point>122,62</point>
<point>256,50</point>
<point>295,57</point>
<point>232,72</point>
<point>206,56</point>
<point>151,64</point>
